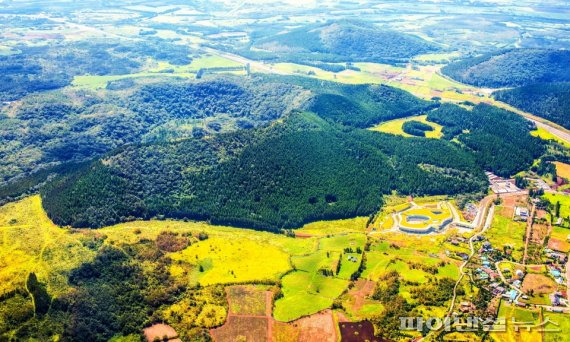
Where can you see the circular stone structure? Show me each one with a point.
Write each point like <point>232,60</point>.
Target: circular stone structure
<point>425,219</point>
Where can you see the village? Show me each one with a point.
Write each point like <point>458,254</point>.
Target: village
<point>519,258</point>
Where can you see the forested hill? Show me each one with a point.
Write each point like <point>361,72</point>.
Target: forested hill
<point>549,101</point>
<point>341,41</point>
<point>290,173</point>
<point>499,139</point>
<point>512,68</point>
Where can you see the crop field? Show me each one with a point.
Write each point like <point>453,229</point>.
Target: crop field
<point>222,260</point>
<point>510,313</point>
<point>307,290</point>
<point>562,169</point>
<point>559,239</point>
<point>247,300</point>
<point>506,232</point>
<point>395,127</point>
<point>559,326</point>
<point>564,202</point>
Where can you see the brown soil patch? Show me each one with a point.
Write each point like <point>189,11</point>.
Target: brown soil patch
<point>318,327</point>
<point>541,284</point>
<point>241,328</point>
<point>362,289</point>
<point>246,300</point>
<point>507,212</point>
<point>541,214</point>
<point>358,332</point>
<point>539,232</point>
<point>159,331</point>
<point>302,235</point>
<point>558,245</point>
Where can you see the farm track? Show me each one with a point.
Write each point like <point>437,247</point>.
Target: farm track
<point>529,224</point>
<point>487,225</point>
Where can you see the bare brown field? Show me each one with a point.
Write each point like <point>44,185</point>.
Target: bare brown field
<point>241,328</point>
<point>539,283</point>
<point>362,289</point>
<point>159,331</point>
<point>558,245</point>
<point>318,327</point>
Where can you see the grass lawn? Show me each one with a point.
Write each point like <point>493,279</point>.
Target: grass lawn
<point>395,127</point>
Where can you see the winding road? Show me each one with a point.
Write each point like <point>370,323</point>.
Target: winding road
<point>488,221</point>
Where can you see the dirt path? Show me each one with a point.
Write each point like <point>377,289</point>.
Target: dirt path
<point>270,320</point>
<point>529,223</point>
<point>462,273</point>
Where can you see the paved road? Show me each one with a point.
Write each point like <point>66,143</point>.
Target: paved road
<point>488,222</point>
<point>553,130</point>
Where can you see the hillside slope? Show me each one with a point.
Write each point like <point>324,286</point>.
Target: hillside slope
<point>301,170</point>
<point>342,41</point>
<point>549,101</point>
<point>512,68</point>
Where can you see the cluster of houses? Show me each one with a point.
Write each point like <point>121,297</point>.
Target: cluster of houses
<point>500,185</point>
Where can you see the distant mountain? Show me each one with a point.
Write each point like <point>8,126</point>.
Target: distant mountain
<point>549,101</point>
<point>512,68</point>
<point>341,41</point>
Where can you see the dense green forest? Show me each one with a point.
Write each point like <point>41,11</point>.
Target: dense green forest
<point>74,125</point>
<point>512,68</point>
<point>499,139</point>
<point>282,176</point>
<point>40,68</point>
<point>336,41</point>
<point>416,128</point>
<point>549,101</point>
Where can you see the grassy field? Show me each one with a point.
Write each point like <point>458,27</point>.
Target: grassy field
<point>158,69</point>
<point>437,57</point>
<point>562,169</point>
<point>395,127</point>
<point>506,232</point>
<point>511,312</point>
<point>322,228</point>
<point>221,260</point>
<point>560,323</point>
<point>564,202</point>
<point>435,216</point>
<point>32,243</point>
<point>546,135</point>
